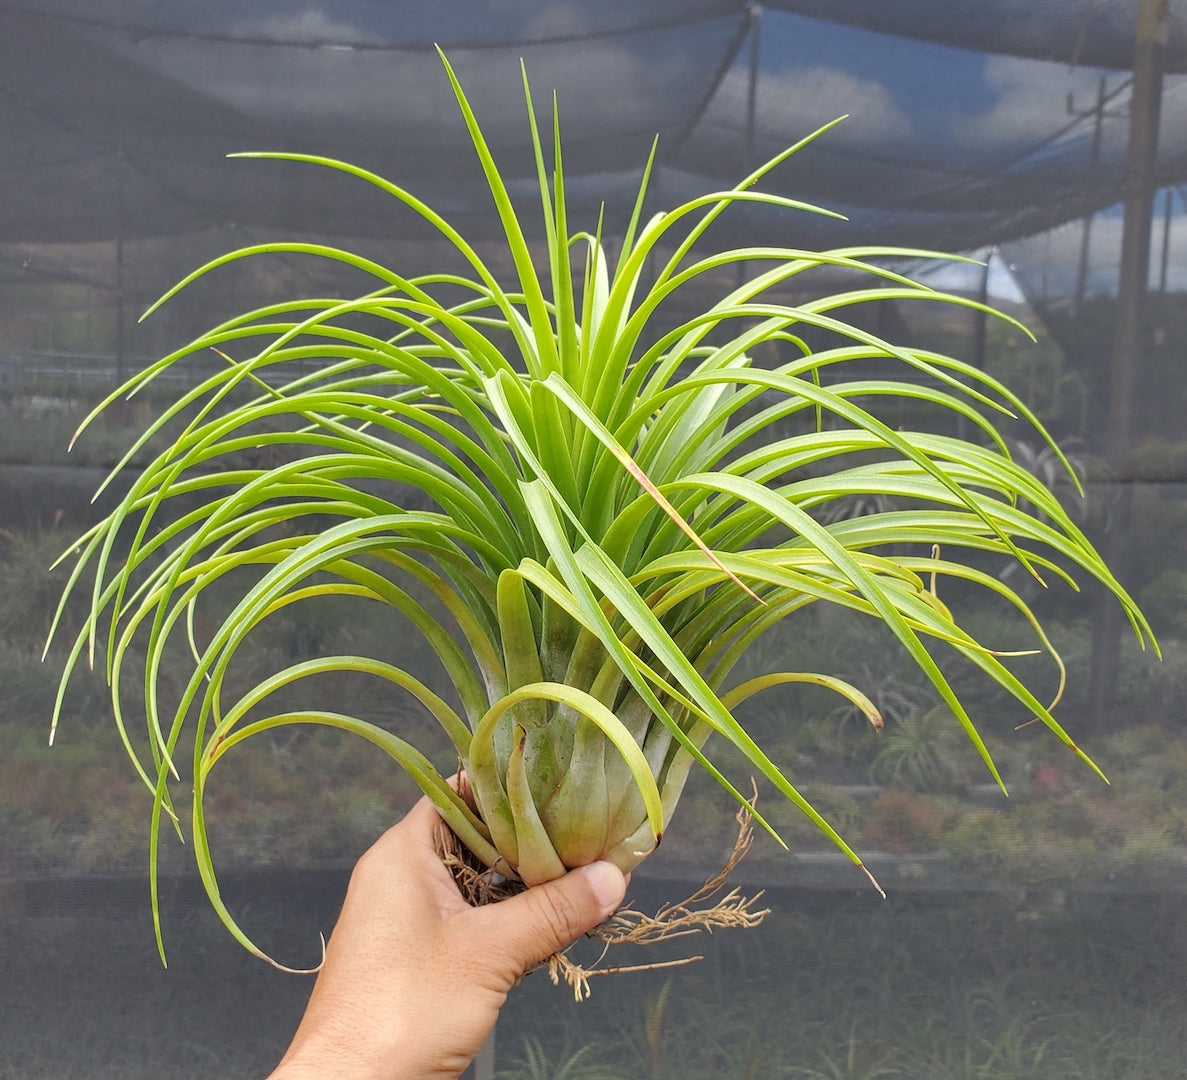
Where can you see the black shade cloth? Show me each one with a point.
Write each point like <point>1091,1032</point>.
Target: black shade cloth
<point>974,125</point>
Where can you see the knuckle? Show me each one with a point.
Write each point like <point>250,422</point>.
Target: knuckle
<point>559,914</point>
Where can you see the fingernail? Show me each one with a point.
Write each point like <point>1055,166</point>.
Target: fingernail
<point>606,882</point>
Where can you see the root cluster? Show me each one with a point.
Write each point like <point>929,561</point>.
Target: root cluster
<point>705,910</point>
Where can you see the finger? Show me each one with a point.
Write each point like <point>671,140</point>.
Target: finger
<point>421,822</point>
<point>544,919</point>
<point>413,842</point>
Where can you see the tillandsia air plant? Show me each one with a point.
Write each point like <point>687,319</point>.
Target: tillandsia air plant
<point>611,521</point>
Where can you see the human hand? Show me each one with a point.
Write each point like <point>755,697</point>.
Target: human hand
<point>414,977</point>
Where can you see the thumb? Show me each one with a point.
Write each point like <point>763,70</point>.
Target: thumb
<point>532,925</point>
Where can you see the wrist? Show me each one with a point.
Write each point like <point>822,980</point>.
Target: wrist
<point>314,1058</point>
<point>318,1054</point>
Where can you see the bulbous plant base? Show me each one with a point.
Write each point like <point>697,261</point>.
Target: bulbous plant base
<point>706,909</point>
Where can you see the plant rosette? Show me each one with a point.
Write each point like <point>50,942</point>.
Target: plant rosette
<point>618,508</point>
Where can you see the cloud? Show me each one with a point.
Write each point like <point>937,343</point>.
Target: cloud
<point>798,100</point>
<point>553,20</point>
<point>1029,106</point>
<point>968,277</point>
<point>605,87</point>
<point>310,26</point>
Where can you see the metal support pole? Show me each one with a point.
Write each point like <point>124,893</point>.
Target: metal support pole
<point>1139,191</point>
<point>1160,322</point>
<point>119,309</point>
<point>1168,196</point>
<point>1094,161</point>
<point>980,332</point>
<point>981,323</point>
<point>120,374</point>
<point>754,12</point>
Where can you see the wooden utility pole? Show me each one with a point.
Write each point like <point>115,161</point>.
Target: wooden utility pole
<point>1139,189</point>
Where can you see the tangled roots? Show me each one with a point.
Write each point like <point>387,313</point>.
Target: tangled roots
<point>705,910</point>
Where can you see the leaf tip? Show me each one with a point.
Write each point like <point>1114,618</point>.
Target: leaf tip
<point>873,880</point>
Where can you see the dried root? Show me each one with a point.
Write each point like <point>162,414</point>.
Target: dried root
<point>627,926</point>
<point>478,884</point>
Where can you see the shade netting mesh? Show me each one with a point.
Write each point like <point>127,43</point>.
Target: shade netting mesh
<point>992,127</point>
<point>968,122</point>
